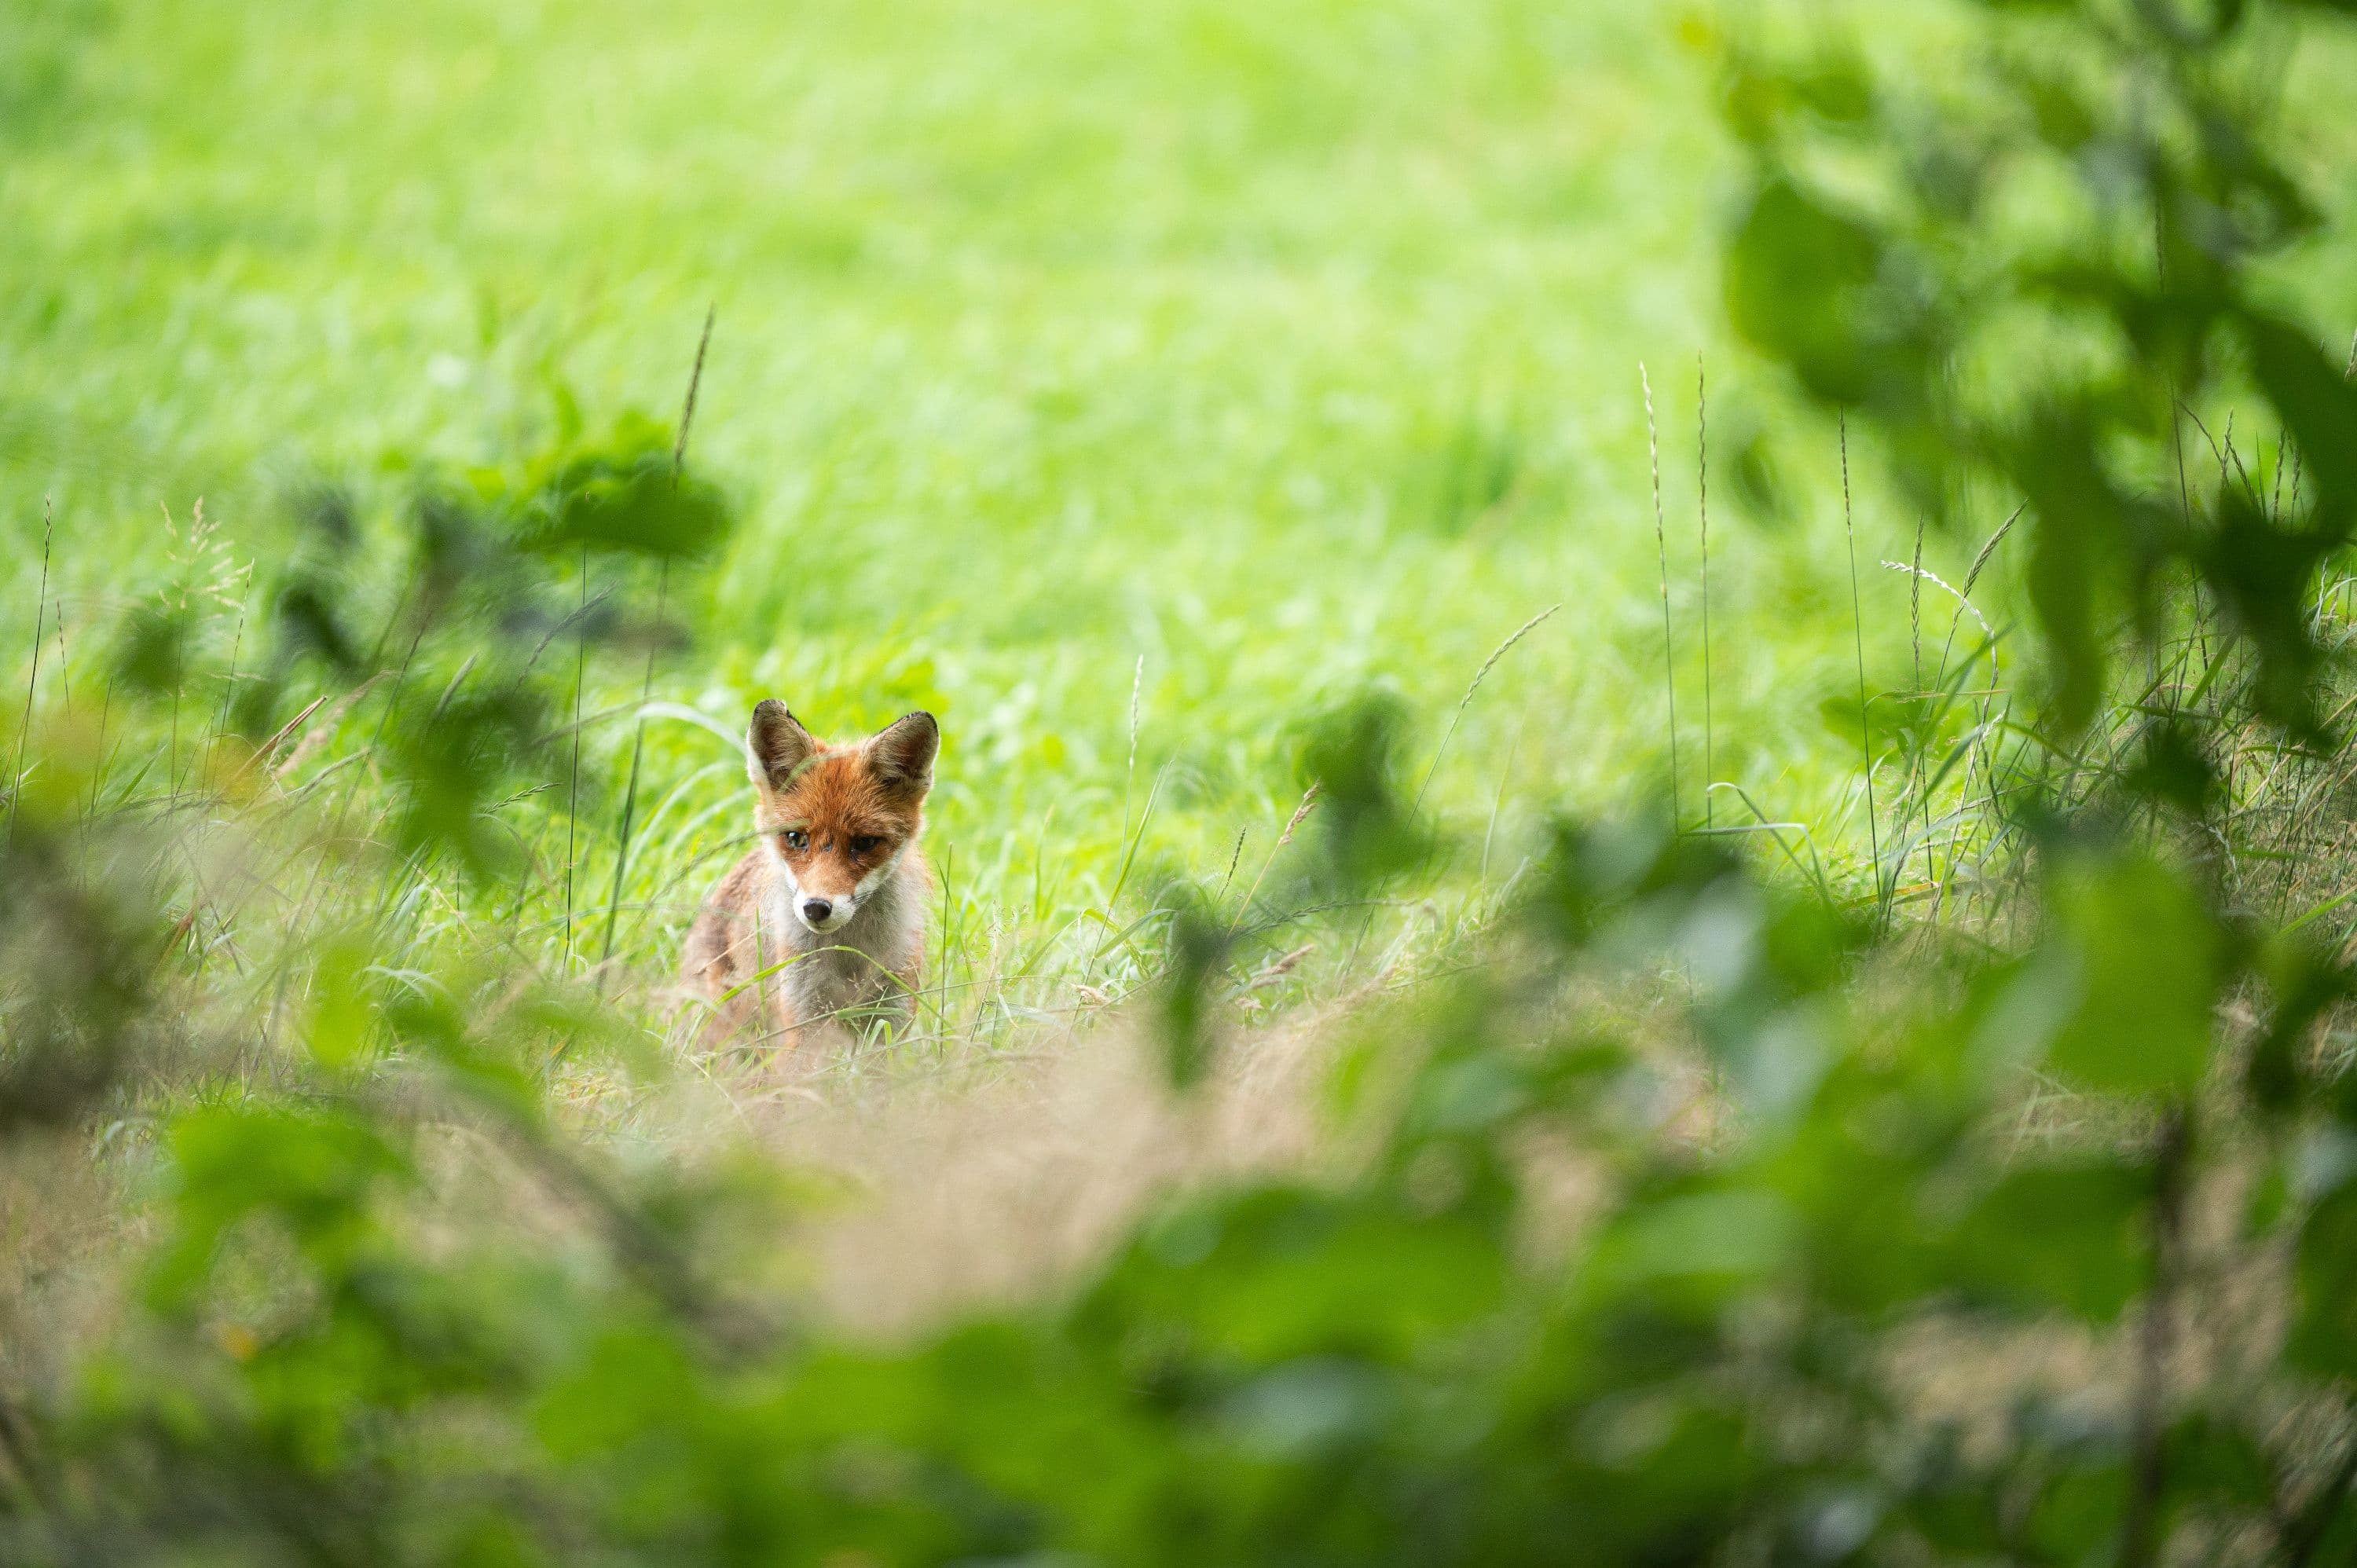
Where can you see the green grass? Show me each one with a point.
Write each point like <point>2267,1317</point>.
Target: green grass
<point>1138,386</point>
<point>1289,349</point>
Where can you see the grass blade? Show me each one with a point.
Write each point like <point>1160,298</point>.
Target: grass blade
<point>1662,545</point>
<point>1858,629</point>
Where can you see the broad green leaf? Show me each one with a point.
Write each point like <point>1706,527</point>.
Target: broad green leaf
<point>341,1010</point>
<point>2048,1238</point>
<point>1795,273</point>
<point>2318,405</point>
<point>2324,1328</point>
<point>2143,954</point>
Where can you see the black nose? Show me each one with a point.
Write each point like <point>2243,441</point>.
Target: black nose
<point>816,909</point>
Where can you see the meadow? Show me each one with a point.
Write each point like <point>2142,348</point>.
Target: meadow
<point>1237,359</point>
<point>1627,854</point>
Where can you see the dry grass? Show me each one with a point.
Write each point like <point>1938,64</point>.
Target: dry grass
<point>957,1196</point>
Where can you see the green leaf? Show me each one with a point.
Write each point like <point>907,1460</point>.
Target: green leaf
<point>1793,276</point>
<point>2081,1506</point>
<point>341,1011</point>
<point>1280,1272</point>
<point>2211,1459</point>
<point>625,494</point>
<point>2067,1237</point>
<point>2143,954</point>
<point>314,1171</point>
<point>2324,1329</point>
<point>1700,1248</point>
<point>2075,550</point>
<point>2319,406</point>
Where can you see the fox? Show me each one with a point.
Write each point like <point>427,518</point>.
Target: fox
<point>826,916</point>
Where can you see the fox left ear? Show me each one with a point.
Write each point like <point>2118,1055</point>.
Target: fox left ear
<point>904,752</point>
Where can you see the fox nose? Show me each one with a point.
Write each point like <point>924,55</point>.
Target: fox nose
<point>816,909</point>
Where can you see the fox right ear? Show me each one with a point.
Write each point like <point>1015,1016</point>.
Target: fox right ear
<point>776,746</point>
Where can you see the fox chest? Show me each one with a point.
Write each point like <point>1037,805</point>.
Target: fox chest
<point>822,976</point>
<point>831,980</point>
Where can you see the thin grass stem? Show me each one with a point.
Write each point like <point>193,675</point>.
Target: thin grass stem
<point>33,680</point>
<point>1466,701</point>
<point>1858,629</point>
<point>647,681</point>
<point>573,790</point>
<point>1661,546</point>
<point>1702,477</point>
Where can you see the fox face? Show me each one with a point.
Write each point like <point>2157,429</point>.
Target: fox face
<point>835,819</point>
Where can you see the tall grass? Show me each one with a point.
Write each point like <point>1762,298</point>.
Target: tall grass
<point>1017,956</point>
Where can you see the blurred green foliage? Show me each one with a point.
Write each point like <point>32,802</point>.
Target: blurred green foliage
<point>1734,1357</point>
<point>1375,1371</point>
<point>2038,273</point>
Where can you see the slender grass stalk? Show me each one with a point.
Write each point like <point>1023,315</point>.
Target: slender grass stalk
<point>1988,548</point>
<point>309,902</point>
<point>98,771</point>
<point>1858,629</point>
<point>2186,488</point>
<point>1702,476</point>
<point>647,681</point>
<point>172,745</point>
<point>2250,481</point>
<point>229,681</point>
<point>1922,728</point>
<point>1964,602</point>
<point>1915,605</point>
<point>949,904</point>
<point>33,680</point>
<point>1128,789</point>
<point>2176,437</point>
<point>1300,814</point>
<point>1497,802</point>
<point>1466,701</point>
<point>2283,451</point>
<point>65,663</point>
<point>1121,877</point>
<point>761,970</point>
<point>1129,779</point>
<point>1235,858</point>
<point>1662,545</point>
<point>1813,868</point>
<point>2226,459</point>
<point>1964,606</point>
<point>694,385</point>
<point>1374,905</point>
<point>573,794</point>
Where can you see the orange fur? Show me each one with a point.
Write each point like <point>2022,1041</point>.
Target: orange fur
<point>825,917</point>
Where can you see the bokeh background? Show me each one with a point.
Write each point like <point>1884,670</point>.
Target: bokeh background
<point>1249,355</point>
<point>1749,1059</point>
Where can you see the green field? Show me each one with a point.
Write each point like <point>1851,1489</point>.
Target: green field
<point>1532,965</point>
<point>1264,355</point>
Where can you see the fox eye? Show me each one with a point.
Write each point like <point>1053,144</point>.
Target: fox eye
<point>797,839</point>
<point>864,843</point>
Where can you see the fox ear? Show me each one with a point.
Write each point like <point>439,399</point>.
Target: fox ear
<point>903,754</point>
<point>776,746</point>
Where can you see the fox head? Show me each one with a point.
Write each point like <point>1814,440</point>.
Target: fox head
<point>837,819</point>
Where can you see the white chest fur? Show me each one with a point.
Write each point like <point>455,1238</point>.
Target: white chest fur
<point>854,966</point>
